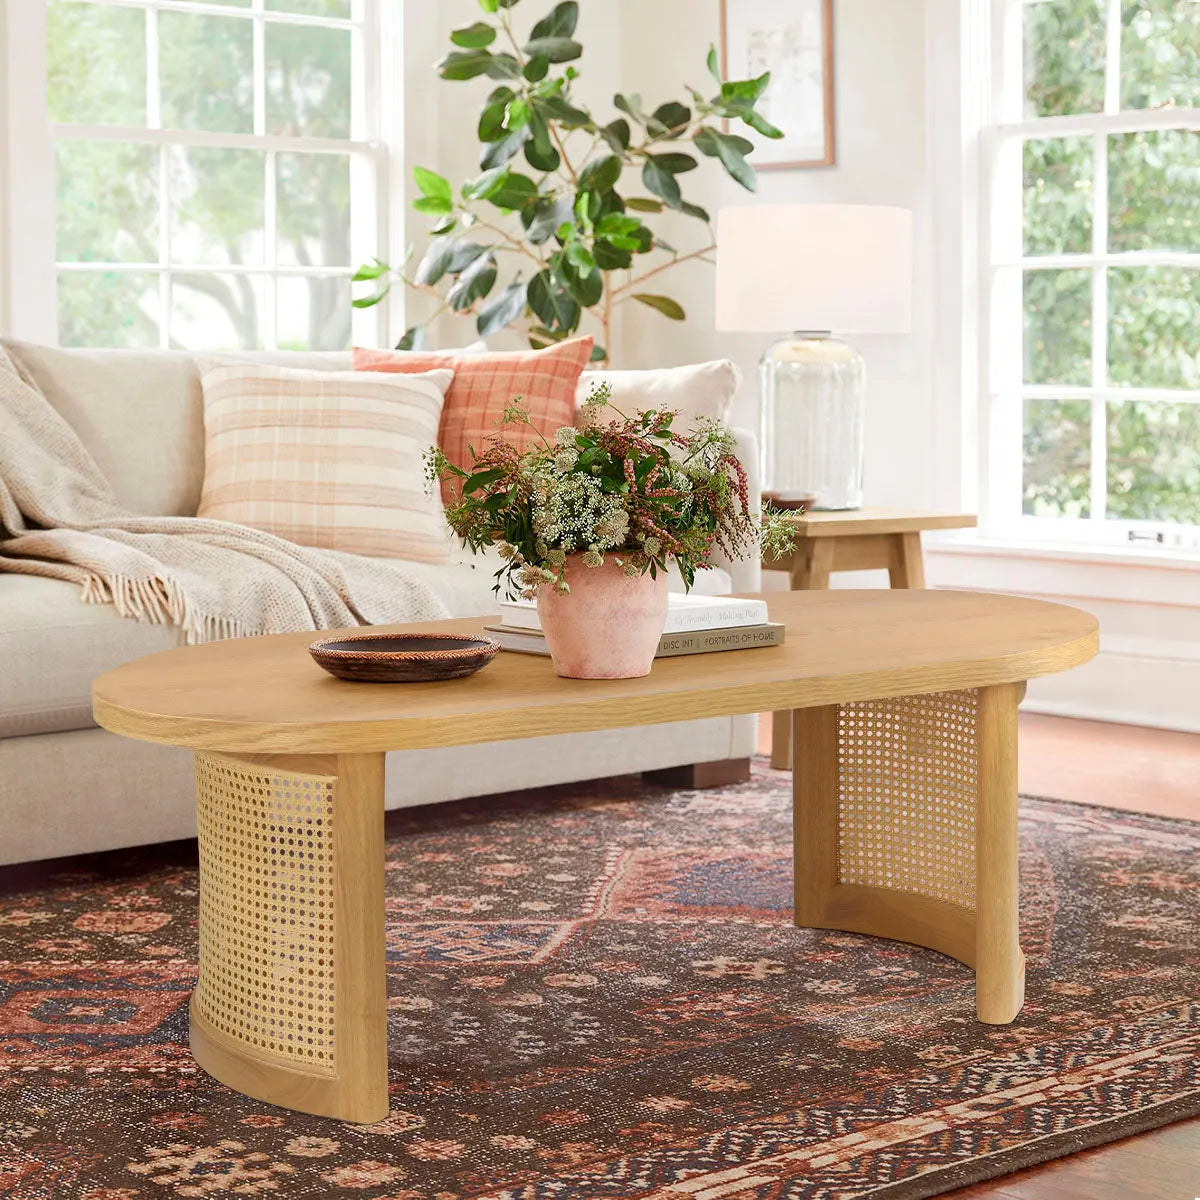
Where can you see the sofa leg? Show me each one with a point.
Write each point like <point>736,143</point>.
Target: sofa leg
<point>701,775</point>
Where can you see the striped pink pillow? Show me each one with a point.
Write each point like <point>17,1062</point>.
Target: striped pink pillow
<point>484,384</point>
<point>330,459</point>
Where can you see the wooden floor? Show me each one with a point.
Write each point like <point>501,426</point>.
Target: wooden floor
<point>1119,766</point>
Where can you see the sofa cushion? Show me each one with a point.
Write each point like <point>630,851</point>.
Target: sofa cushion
<point>140,414</point>
<point>52,646</point>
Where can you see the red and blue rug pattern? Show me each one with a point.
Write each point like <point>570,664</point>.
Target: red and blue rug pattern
<point>597,993</point>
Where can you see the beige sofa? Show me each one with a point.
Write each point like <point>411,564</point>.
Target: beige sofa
<point>68,787</point>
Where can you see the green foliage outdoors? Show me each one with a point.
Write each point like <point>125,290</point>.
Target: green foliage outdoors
<point>1153,449</point>
<point>573,233</point>
<point>108,192</point>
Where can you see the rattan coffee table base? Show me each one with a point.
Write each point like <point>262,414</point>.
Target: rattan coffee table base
<point>906,828</point>
<point>290,1003</point>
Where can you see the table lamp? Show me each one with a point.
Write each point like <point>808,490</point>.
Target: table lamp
<point>813,269</point>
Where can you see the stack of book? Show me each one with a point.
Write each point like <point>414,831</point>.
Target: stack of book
<point>695,625</point>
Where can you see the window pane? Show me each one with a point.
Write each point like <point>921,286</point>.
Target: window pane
<point>312,313</point>
<point>108,308</point>
<point>112,44</point>
<point>217,312</point>
<point>313,209</point>
<point>107,202</point>
<point>1154,327</point>
<point>1154,191</point>
<point>207,72</point>
<point>308,81</point>
<point>1160,53</point>
<point>320,8</point>
<point>1064,57</point>
<point>1154,462</point>
<point>1056,479</point>
<point>217,205</point>
<point>1058,195</point>
<point>1058,327</point>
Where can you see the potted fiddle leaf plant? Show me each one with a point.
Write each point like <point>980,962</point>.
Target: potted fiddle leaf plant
<point>562,221</point>
<point>588,523</point>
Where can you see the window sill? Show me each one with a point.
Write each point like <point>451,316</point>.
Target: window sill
<point>970,541</point>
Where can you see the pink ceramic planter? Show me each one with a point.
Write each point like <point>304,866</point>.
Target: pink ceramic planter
<point>608,625</point>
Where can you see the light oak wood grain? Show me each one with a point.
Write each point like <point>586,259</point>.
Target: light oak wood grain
<point>266,695</point>
<point>878,520</point>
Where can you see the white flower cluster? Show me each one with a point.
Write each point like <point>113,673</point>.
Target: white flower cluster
<point>572,513</point>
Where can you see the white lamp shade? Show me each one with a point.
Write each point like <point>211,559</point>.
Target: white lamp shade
<point>840,267</point>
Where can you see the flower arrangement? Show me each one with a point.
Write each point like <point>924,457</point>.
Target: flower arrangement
<point>627,486</point>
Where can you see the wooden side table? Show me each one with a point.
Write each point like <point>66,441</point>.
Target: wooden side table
<point>860,539</point>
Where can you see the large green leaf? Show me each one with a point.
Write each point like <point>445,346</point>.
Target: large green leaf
<point>676,163</point>
<point>760,123</point>
<point>473,284</point>
<point>539,149</point>
<point>536,68</point>
<point>465,253</point>
<point>432,204</point>
<point>661,182</point>
<point>495,153</point>
<point>467,64</point>
<point>694,210</point>
<point>474,37</point>
<point>491,126</point>
<point>616,134</point>
<point>670,119</point>
<point>431,183</point>
<point>514,192</point>
<point>435,262</point>
<point>503,310</point>
<point>746,89</point>
<point>485,185</point>
<point>609,257</point>
<point>553,305</point>
<point>370,301</point>
<point>370,271</point>
<point>731,150</point>
<point>566,114</point>
<point>644,204</point>
<point>664,304</point>
<point>601,174</point>
<point>560,22</point>
<point>556,49</point>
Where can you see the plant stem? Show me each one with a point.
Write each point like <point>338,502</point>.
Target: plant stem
<point>606,318</point>
<point>679,258</point>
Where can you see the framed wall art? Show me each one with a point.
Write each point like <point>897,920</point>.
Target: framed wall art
<point>793,39</point>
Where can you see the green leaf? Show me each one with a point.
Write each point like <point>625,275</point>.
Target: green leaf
<point>609,257</point>
<point>485,185</point>
<point>465,253</point>
<point>473,284</point>
<point>514,192</point>
<point>552,304</point>
<point>599,354</point>
<point>436,261</point>
<point>713,64</point>
<point>431,183</point>
<point>373,271</point>
<point>539,149</point>
<point>586,290</point>
<point>560,22</point>
<point>760,123</point>
<point>501,311</point>
<point>464,64</point>
<point>664,304</point>
<point>631,106</point>
<point>617,222</point>
<point>556,49</point>
<point>370,301</point>
<point>661,182</point>
<point>670,119</point>
<point>413,339</point>
<point>432,204</point>
<point>443,224</point>
<point>557,109</point>
<point>536,68</point>
<point>746,89</point>
<point>616,134</point>
<point>694,210</point>
<point>661,244</point>
<point>580,258</point>
<point>643,204</point>
<point>601,174</point>
<point>488,6</point>
<point>543,219</point>
<point>677,164</point>
<point>495,153</point>
<point>731,150</point>
<point>474,37</point>
<point>503,66</point>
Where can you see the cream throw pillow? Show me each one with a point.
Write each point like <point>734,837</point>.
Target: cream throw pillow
<point>330,459</point>
<point>699,390</point>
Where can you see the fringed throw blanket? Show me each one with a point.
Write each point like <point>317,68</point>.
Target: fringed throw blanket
<point>59,517</point>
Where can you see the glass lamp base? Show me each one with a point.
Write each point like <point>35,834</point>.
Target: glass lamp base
<point>813,417</point>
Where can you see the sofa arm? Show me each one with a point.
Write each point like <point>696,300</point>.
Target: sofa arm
<point>746,573</point>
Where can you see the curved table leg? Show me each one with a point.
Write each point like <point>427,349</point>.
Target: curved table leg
<point>906,828</point>
<point>290,1006</point>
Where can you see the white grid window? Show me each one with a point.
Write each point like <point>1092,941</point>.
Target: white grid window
<point>1093,228</point>
<point>217,170</point>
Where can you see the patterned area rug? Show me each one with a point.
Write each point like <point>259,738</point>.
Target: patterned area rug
<point>597,993</point>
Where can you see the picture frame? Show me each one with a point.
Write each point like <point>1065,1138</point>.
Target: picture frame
<point>793,39</point>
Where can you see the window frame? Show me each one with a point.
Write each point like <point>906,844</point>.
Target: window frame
<point>1005,129</point>
<point>30,278</point>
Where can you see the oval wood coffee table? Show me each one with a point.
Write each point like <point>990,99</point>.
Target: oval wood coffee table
<point>905,723</point>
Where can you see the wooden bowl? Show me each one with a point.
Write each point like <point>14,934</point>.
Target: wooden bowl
<point>403,657</point>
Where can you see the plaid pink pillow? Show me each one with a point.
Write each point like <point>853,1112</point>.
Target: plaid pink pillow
<point>484,384</point>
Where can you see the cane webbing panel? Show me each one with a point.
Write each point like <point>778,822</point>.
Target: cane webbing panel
<point>907,787</point>
<point>266,908</point>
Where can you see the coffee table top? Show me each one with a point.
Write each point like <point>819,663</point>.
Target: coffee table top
<point>266,694</point>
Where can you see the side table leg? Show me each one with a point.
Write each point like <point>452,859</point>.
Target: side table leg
<point>290,1006</point>
<point>908,564</point>
<point>906,827</point>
